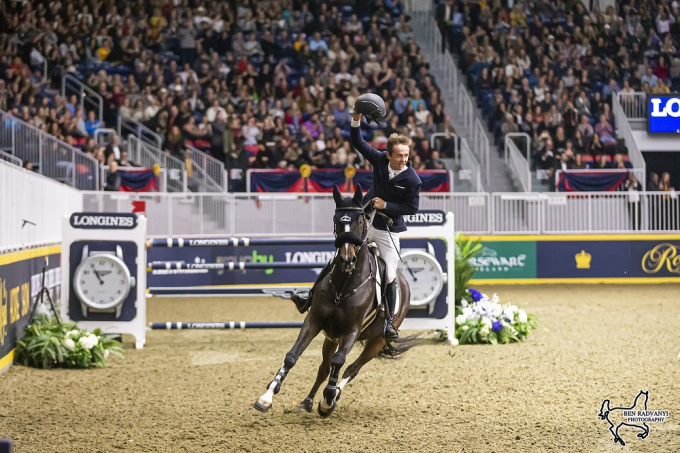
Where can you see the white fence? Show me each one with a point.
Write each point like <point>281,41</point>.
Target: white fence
<point>633,105</point>
<point>470,167</point>
<point>32,207</point>
<point>476,213</point>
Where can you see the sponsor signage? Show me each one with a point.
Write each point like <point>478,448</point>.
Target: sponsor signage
<point>20,280</point>
<point>663,114</point>
<point>511,259</point>
<point>425,218</point>
<point>578,257</point>
<point>103,221</point>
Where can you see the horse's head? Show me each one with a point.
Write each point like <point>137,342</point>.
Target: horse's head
<point>350,226</point>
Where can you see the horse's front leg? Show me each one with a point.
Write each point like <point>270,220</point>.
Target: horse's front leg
<point>308,332</point>
<point>330,393</point>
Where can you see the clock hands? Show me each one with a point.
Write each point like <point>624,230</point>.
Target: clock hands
<point>101,282</point>
<point>415,279</point>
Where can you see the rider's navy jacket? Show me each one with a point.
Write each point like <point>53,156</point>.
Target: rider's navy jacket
<point>401,193</point>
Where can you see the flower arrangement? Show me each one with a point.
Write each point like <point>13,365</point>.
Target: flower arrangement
<point>484,320</point>
<point>47,344</point>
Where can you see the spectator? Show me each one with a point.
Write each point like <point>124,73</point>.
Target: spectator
<point>113,180</point>
<point>653,182</point>
<point>92,122</point>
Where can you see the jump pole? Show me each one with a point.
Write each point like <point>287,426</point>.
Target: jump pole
<point>230,265</point>
<point>224,325</point>
<point>235,242</point>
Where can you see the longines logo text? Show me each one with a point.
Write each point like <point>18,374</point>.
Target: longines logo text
<point>104,221</point>
<point>426,218</point>
<point>662,255</point>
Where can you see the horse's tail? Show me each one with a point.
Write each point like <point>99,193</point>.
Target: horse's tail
<point>396,349</point>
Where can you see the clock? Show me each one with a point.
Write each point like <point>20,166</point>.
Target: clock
<point>102,281</point>
<point>424,275</point>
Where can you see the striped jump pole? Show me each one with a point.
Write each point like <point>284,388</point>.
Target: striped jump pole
<point>236,242</point>
<point>230,265</point>
<point>224,325</point>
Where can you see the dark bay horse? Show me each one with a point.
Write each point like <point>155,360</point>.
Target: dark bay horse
<point>344,308</point>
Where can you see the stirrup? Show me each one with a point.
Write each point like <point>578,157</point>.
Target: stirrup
<point>301,301</point>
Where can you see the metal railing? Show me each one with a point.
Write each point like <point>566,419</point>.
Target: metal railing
<point>446,136</point>
<point>127,126</point>
<point>102,135</point>
<point>215,173</point>
<point>32,208</point>
<point>470,168</point>
<point>454,92</point>
<point>147,155</point>
<point>518,164</point>
<point>11,159</point>
<point>633,105</point>
<point>50,157</point>
<point>192,214</point>
<point>89,99</point>
<point>624,131</point>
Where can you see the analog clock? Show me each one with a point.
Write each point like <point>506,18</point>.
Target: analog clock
<point>102,281</point>
<point>424,276</point>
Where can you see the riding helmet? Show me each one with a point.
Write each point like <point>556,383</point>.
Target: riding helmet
<point>370,105</point>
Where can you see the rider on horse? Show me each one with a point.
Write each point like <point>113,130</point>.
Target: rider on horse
<point>395,192</point>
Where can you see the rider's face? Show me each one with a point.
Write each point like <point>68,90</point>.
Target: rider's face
<point>398,157</point>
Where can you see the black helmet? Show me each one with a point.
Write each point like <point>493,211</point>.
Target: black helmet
<point>370,105</point>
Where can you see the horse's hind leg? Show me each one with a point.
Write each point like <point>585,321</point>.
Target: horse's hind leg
<point>370,352</point>
<point>307,333</point>
<point>330,393</point>
<point>328,349</point>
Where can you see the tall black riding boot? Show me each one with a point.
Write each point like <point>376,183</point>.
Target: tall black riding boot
<point>389,331</point>
<point>302,301</point>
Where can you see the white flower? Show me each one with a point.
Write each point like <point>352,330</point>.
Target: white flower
<point>89,341</point>
<point>72,333</point>
<point>454,341</point>
<point>522,316</point>
<point>467,311</point>
<point>487,323</point>
<point>69,344</point>
<point>509,314</point>
<point>106,353</point>
<point>465,327</point>
<point>463,303</point>
<point>496,310</point>
<point>460,319</point>
<point>495,299</point>
<point>484,331</point>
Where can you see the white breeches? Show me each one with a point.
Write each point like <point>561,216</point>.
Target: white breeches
<point>387,251</point>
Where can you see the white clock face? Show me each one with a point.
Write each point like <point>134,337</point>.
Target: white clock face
<point>102,281</point>
<point>424,276</point>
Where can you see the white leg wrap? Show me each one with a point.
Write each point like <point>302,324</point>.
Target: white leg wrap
<point>342,383</point>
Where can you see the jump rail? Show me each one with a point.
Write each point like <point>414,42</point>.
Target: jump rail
<point>231,265</point>
<point>235,242</point>
<point>224,325</point>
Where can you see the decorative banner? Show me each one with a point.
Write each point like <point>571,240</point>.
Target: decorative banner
<point>664,114</point>
<point>323,180</point>
<point>138,180</point>
<point>591,181</point>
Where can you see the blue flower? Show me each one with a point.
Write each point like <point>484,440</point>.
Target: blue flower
<point>496,326</point>
<point>476,295</point>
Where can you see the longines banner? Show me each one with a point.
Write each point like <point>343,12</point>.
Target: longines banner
<point>20,275</point>
<point>582,259</point>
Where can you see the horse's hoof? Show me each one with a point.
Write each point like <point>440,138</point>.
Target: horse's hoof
<point>326,412</point>
<point>262,406</point>
<point>305,405</point>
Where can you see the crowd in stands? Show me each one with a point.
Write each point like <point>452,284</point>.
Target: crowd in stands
<point>255,83</point>
<point>549,69</point>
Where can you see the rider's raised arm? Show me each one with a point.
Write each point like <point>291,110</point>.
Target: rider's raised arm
<point>371,154</point>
